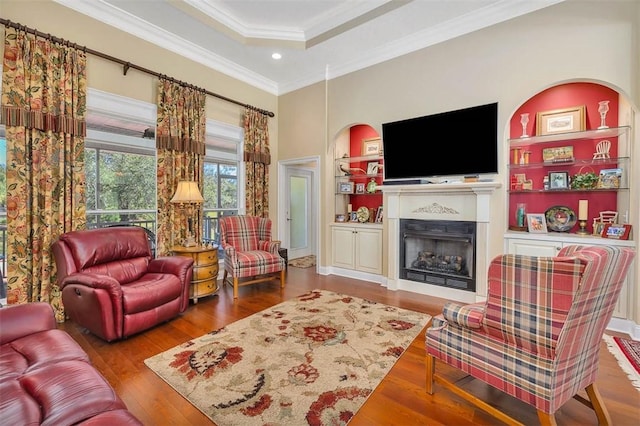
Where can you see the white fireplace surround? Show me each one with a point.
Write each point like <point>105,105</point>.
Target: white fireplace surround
<point>449,201</point>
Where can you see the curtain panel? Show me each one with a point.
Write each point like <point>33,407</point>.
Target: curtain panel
<point>43,108</point>
<point>257,158</point>
<point>180,145</point>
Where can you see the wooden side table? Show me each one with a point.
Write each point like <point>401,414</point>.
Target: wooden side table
<point>205,269</point>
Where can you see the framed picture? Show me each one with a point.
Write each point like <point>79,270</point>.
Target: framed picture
<point>609,178</point>
<point>345,187</point>
<point>558,180</point>
<point>618,232</point>
<point>536,223</point>
<point>372,168</point>
<point>353,217</point>
<point>561,121</point>
<point>359,188</point>
<point>379,215</point>
<point>371,146</point>
<point>597,228</point>
<point>340,218</point>
<point>559,154</point>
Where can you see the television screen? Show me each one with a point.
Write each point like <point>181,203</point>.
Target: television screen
<point>453,143</point>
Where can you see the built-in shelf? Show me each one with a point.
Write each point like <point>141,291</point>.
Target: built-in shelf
<point>610,132</point>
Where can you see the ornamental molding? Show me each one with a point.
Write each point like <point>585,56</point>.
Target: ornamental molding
<point>436,208</point>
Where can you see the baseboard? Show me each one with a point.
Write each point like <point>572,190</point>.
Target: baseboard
<point>625,326</point>
<point>349,273</point>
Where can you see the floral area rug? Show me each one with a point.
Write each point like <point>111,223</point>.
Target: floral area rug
<point>627,353</point>
<point>311,360</point>
<point>303,262</point>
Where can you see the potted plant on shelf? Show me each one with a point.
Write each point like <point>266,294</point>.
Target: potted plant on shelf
<point>588,180</point>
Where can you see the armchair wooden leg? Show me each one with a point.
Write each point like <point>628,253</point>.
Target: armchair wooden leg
<point>235,287</point>
<point>282,279</point>
<point>546,419</point>
<point>598,405</point>
<point>431,365</point>
<point>224,278</point>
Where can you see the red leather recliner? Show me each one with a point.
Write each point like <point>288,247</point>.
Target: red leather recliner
<point>47,379</point>
<point>111,285</point>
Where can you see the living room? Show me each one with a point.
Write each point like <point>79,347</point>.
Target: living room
<point>507,63</point>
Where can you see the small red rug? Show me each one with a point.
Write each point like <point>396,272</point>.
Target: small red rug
<point>627,353</point>
<point>631,349</point>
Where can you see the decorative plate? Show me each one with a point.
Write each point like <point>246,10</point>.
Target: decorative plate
<point>560,218</point>
<point>363,214</point>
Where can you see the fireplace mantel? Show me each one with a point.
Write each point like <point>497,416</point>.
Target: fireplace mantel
<point>441,201</point>
<point>444,188</point>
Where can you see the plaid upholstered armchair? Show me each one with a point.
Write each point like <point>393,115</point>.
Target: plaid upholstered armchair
<point>537,337</point>
<point>249,251</point>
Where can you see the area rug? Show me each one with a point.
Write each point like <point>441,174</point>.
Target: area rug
<point>303,262</point>
<point>312,360</point>
<point>627,352</point>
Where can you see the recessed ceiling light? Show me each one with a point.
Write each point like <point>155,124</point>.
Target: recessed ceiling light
<point>276,55</point>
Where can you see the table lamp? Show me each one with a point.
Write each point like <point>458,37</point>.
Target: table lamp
<point>187,195</point>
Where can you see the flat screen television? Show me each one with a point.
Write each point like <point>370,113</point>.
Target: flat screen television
<point>453,143</point>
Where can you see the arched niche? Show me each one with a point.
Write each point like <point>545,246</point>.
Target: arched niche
<point>566,96</point>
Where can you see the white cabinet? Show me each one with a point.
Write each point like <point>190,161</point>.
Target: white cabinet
<point>544,245</point>
<point>357,247</point>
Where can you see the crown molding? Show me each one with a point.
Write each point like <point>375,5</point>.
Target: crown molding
<point>490,15</point>
<point>485,17</point>
<point>115,17</point>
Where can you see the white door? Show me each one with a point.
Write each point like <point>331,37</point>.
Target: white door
<point>299,225</point>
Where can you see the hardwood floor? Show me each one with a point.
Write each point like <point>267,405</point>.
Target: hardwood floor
<point>399,400</point>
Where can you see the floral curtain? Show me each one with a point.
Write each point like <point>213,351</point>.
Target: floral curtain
<point>43,108</point>
<point>181,149</point>
<point>257,158</point>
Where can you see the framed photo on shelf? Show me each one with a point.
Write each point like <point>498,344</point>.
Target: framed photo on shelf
<point>379,215</point>
<point>616,231</point>
<point>371,146</point>
<point>353,216</point>
<point>609,178</point>
<point>558,180</point>
<point>597,228</point>
<point>563,120</point>
<point>345,187</point>
<point>359,188</point>
<point>537,223</point>
<point>559,154</point>
<point>372,168</point>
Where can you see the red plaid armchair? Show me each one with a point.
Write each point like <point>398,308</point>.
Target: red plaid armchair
<point>249,251</point>
<point>537,337</point>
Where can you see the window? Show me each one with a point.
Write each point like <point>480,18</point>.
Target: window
<point>120,162</point>
<point>222,187</point>
<point>121,188</point>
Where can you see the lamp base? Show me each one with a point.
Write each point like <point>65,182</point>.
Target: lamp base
<point>583,228</point>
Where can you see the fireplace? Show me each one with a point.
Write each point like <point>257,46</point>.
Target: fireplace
<point>454,204</point>
<point>438,252</point>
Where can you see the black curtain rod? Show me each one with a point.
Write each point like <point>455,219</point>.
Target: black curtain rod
<point>126,66</point>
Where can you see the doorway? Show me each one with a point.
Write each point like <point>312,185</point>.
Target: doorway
<point>298,204</point>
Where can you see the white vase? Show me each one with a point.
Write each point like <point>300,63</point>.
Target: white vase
<point>524,120</point>
<point>603,108</point>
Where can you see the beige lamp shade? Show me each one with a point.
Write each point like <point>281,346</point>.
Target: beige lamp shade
<point>187,192</point>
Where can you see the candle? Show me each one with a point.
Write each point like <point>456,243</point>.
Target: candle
<point>349,208</point>
<point>583,209</point>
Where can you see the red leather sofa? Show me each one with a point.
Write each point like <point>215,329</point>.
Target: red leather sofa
<point>46,378</point>
<point>113,287</point>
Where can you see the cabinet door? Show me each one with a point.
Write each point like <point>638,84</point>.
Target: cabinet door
<point>533,247</point>
<point>343,250</point>
<point>369,250</point>
<point>622,309</point>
